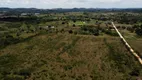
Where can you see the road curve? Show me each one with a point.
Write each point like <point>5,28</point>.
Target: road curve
<point>126,43</point>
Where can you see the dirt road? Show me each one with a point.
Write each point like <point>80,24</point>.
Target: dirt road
<point>126,43</point>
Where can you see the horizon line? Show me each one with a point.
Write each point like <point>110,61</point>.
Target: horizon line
<point>69,8</point>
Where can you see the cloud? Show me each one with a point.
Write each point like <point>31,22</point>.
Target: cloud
<point>109,1</point>
<point>71,3</point>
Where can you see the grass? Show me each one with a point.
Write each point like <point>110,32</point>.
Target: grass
<point>67,57</point>
<point>58,55</point>
<point>77,23</point>
<point>64,56</point>
<point>136,45</point>
<point>133,40</point>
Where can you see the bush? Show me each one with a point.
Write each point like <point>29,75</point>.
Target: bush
<point>70,31</point>
<point>25,72</point>
<point>7,40</point>
<point>109,32</point>
<point>90,30</point>
<point>138,30</point>
<point>75,32</point>
<point>10,40</point>
<point>14,77</point>
<point>84,28</point>
<point>62,30</point>
<point>123,27</point>
<point>63,22</point>
<point>13,25</point>
<point>74,25</point>
<point>130,29</point>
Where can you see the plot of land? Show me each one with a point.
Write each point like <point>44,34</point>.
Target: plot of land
<point>67,57</point>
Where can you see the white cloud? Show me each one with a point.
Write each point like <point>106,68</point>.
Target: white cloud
<point>70,3</point>
<point>109,1</point>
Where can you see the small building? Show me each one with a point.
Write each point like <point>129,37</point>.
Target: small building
<point>36,14</point>
<point>52,27</point>
<point>24,14</point>
<point>46,27</point>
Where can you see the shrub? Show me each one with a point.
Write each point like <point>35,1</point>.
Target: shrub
<point>13,77</point>
<point>7,40</point>
<point>62,30</point>
<point>25,72</point>
<point>90,30</point>
<point>109,32</point>
<point>130,29</point>
<point>63,22</point>
<point>123,27</point>
<point>70,31</point>
<point>138,30</point>
<point>75,32</point>
<point>74,25</point>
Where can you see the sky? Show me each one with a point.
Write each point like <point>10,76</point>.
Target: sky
<point>49,4</point>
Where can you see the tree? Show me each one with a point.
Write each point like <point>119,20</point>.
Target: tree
<point>24,27</point>
<point>18,34</point>
<point>32,28</point>
<point>90,30</point>
<point>63,22</point>
<point>96,32</point>
<point>138,31</point>
<point>70,31</point>
<point>74,25</point>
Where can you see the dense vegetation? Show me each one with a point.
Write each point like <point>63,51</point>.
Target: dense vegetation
<point>67,45</point>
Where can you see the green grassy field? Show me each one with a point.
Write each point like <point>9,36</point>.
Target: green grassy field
<point>68,57</point>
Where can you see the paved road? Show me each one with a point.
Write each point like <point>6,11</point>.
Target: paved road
<point>126,43</point>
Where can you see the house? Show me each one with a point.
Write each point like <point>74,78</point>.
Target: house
<point>24,14</point>
<point>52,27</point>
<point>47,27</point>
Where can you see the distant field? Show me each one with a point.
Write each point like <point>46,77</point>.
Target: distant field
<point>67,57</point>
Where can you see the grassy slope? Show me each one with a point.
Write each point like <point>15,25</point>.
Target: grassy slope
<point>68,57</point>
